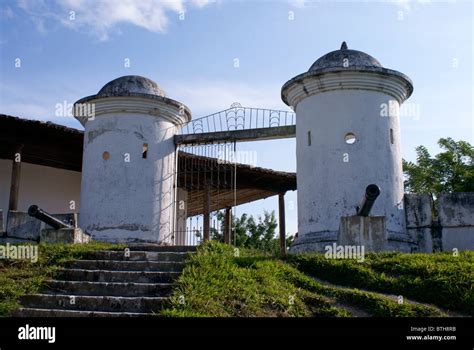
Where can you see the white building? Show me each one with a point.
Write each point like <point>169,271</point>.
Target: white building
<point>127,190</point>
<point>345,142</point>
<point>127,180</point>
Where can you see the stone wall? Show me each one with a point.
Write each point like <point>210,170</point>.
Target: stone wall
<point>23,228</point>
<point>452,228</point>
<point>456,217</point>
<point>419,218</point>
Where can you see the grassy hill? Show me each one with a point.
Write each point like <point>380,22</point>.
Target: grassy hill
<point>220,281</point>
<point>216,282</point>
<point>20,277</point>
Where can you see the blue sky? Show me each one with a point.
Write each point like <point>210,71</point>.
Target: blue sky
<point>192,58</point>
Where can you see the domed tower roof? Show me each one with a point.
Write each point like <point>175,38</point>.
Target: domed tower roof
<point>344,58</point>
<point>346,69</point>
<point>133,94</point>
<point>129,85</point>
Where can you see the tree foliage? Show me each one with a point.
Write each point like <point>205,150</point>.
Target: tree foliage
<point>250,232</point>
<point>449,171</point>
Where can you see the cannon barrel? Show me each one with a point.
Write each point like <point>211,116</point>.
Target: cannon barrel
<point>371,193</point>
<point>47,218</point>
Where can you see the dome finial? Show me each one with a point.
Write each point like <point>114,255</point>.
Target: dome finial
<point>343,46</point>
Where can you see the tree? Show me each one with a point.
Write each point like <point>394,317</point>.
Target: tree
<point>255,233</point>
<point>449,171</point>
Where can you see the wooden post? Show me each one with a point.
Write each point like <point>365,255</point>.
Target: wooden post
<point>15,180</point>
<point>227,224</point>
<point>281,213</point>
<point>207,211</point>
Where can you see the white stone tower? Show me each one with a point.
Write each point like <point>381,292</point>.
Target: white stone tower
<point>347,137</point>
<point>127,189</point>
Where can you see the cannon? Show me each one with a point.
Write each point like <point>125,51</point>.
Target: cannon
<point>371,193</point>
<point>47,218</point>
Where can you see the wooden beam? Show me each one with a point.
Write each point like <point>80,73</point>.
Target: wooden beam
<point>15,180</point>
<point>227,224</point>
<point>207,211</point>
<point>281,214</point>
<point>226,199</point>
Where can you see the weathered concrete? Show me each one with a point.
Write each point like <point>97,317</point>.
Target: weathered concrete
<point>118,289</point>
<point>97,303</point>
<point>117,276</point>
<point>21,225</point>
<point>160,248</point>
<point>28,312</point>
<point>138,255</point>
<point>24,228</point>
<point>69,218</point>
<point>460,238</point>
<point>330,103</point>
<point>418,210</point>
<point>123,86</point>
<point>64,235</point>
<point>258,134</point>
<point>128,265</point>
<point>456,217</point>
<point>5,240</point>
<point>369,232</point>
<point>399,242</point>
<point>419,217</point>
<point>127,189</point>
<point>313,242</point>
<point>456,209</point>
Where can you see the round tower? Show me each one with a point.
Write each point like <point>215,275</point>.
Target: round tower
<point>127,189</point>
<point>347,137</point>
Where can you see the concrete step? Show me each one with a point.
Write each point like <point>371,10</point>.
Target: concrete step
<point>29,312</point>
<point>96,303</point>
<point>117,265</point>
<point>108,288</point>
<point>160,248</point>
<point>138,256</point>
<point>116,276</point>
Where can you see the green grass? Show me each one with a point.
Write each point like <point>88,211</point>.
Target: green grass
<point>20,277</point>
<point>216,283</point>
<point>439,278</point>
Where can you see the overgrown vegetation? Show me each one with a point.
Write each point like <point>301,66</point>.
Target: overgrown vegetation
<point>252,233</point>
<point>217,283</point>
<point>20,277</point>
<point>441,279</point>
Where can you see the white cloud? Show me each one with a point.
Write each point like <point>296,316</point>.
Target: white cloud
<point>101,17</point>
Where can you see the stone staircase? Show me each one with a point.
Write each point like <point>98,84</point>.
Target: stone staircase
<point>110,284</point>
